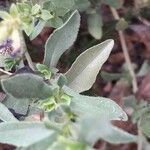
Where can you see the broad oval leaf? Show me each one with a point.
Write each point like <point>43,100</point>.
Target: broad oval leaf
<point>43,144</point>
<point>23,134</point>
<point>84,70</point>
<point>83,105</point>
<point>95,25</point>
<point>5,114</point>
<point>61,39</point>
<point>19,106</point>
<point>26,85</point>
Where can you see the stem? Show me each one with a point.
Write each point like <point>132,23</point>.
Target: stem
<point>6,72</point>
<point>140,137</point>
<point>25,51</point>
<point>126,54</point>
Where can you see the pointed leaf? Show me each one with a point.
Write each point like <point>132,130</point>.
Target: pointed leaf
<point>26,85</point>
<point>93,129</point>
<point>23,134</point>
<point>5,114</point>
<point>37,29</point>
<point>95,106</point>
<point>61,40</point>
<point>84,70</point>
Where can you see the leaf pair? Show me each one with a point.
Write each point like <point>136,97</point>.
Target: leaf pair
<point>84,70</point>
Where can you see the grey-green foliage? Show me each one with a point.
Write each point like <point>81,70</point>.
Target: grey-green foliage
<point>20,106</point>
<point>95,25</point>
<point>82,105</point>
<point>84,70</point>
<point>95,128</point>
<point>5,114</point>
<point>66,108</point>
<point>26,86</point>
<point>61,40</point>
<point>23,134</point>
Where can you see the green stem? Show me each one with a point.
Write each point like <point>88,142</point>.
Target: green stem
<point>25,51</point>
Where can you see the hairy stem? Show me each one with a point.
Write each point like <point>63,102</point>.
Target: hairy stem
<point>25,51</point>
<point>6,72</point>
<point>126,54</point>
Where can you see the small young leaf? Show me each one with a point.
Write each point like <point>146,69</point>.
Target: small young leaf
<point>26,86</point>
<point>35,9</point>
<point>46,15</point>
<point>37,29</point>
<point>122,24</point>
<point>95,25</point>
<point>61,40</point>
<point>13,10</point>
<point>4,15</point>
<point>5,114</point>
<point>55,22</point>
<point>23,134</point>
<point>84,70</point>
<point>62,81</point>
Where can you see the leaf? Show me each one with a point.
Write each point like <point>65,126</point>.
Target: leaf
<point>93,129</point>
<point>95,106</point>
<point>42,144</point>
<point>61,40</point>
<point>63,4</point>
<point>55,22</point>
<point>4,15</point>
<point>145,68</point>
<point>81,5</point>
<point>20,106</point>
<point>122,24</point>
<point>45,15</point>
<point>110,76</point>
<point>23,134</point>
<point>145,124</point>
<point>114,3</point>
<point>5,114</point>
<point>26,85</point>
<point>37,29</point>
<point>84,70</point>
<point>35,9</point>
<point>95,25</point>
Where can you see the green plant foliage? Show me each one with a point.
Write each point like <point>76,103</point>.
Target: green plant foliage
<point>26,86</point>
<point>5,114</point>
<point>102,129</point>
<point>95,106</point>
<point>61,40</point>
<point>23,134</point>
<point>112,3</point>
<point>67,120</point>
<point>145,124</point>
<point>20,106</point>
<point>95,25</point>
<point>37,29</point>
<point>84,70</point>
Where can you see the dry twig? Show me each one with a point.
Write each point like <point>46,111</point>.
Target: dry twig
<point>126,54</point>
